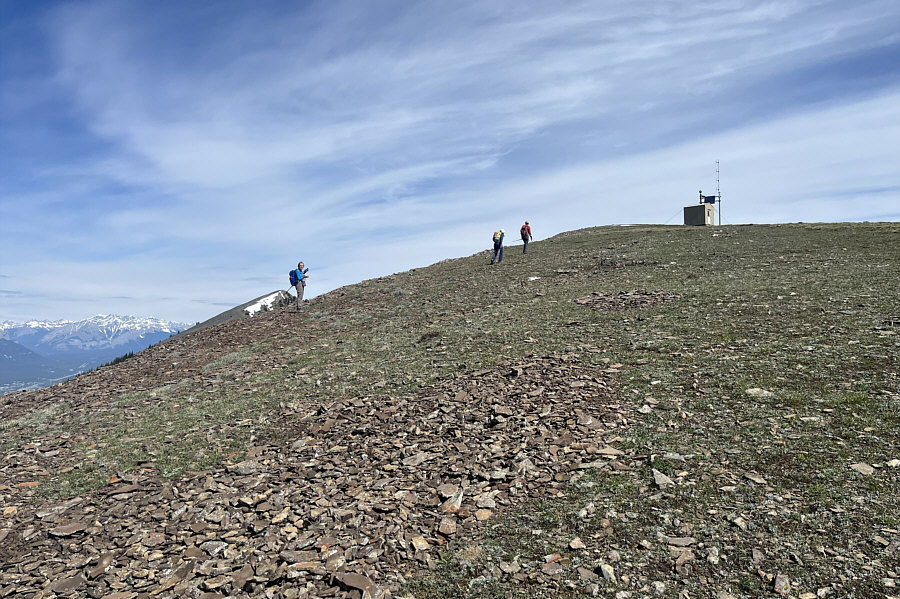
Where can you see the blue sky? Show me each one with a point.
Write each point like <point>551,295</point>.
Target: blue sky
<point>174,159</point>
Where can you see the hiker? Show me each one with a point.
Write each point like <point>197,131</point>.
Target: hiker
<point>526,236</point>
<point>298,280</point>
<point>498,246</point>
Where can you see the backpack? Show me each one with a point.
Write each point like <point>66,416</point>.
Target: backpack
<point>524,231</point>
<point>496,236</point>
<point>292,277</point>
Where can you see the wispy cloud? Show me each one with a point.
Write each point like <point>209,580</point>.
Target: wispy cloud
<point>205,148</point>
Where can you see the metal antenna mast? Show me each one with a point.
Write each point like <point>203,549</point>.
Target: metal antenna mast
<point>718,193</point>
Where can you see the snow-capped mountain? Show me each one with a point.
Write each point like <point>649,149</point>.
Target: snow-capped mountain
<point>95,333</point>
<point>63,348</point>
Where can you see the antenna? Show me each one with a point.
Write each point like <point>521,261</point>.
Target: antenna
<point>718,193</point>
<point>717,177</point>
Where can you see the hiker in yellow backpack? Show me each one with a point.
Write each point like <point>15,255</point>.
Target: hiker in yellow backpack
<point>498,246</point>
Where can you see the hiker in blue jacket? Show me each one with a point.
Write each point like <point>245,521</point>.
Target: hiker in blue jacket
<point>498,246</point>
<point>298,280</point>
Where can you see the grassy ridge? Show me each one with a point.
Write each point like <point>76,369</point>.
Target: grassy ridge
<point>808,313</point>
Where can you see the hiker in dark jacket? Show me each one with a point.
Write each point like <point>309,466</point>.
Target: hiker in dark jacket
<point>498,246</point>
<point>526,236</point>
<point>300,276</point>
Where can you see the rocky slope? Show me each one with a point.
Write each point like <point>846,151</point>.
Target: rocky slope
<point>365,492</point>
<point>606,416</point>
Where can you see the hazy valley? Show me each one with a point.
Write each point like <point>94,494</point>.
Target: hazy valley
<point>36,354</point>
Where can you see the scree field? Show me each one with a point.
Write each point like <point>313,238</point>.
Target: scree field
<point>642,411</point>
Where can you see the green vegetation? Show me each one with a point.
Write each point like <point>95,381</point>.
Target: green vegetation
<point>778,358</point>
<point>119,360</point>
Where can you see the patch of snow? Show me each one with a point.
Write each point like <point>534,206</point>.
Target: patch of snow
<point>265,303</point>
<point>533,278</point>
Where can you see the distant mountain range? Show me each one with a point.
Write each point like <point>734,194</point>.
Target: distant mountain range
<point>36,354</point>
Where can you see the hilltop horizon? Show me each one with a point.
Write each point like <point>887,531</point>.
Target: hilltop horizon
<point>314,289</point>
<point>174,158</point>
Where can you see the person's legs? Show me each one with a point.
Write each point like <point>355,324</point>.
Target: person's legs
<point>500,259</point>
<point>494,257</point>
<point>525,246</point>
<point>299,288</point>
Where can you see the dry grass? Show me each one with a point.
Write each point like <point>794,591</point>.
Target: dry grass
<point>809,313</point>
